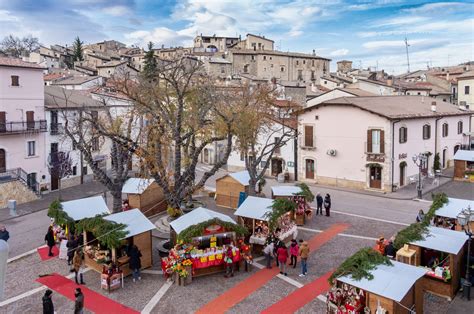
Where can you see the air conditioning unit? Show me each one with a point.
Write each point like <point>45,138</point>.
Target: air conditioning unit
<point>331,152</point>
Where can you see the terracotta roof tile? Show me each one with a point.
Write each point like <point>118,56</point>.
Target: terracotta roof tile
<point>18,63</point>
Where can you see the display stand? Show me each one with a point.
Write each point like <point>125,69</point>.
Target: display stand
<point>407,256</point>
<point>111,283</point>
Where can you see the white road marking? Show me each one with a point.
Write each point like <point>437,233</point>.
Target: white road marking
<point>24,254</point>
<point>371,218</point>
<point>157,297</point>
<point>152,272</point>
<point>310,230</point>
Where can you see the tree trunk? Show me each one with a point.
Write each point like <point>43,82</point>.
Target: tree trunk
<point>252,184</point>
<point>117,200</point>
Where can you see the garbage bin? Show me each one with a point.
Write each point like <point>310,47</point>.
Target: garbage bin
<point>12,207</point>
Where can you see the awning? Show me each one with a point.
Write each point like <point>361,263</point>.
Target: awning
<point>255,208</point>
<point>442,240</point>
<point>467,155</point>
<point>85,207</point>
<point>136,185</point>
<point>134,220</point>
<point>197,216</point>
<point>243,177</point>
<point>453,207</point>
<point>285,190</point>
<point>392,282</point>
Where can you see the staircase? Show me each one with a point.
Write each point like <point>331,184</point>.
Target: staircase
<point>18,174</point>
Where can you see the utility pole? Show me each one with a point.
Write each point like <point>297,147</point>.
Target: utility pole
<point>408,58</point>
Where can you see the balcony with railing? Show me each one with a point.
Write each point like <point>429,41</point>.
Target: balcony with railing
<point>7,128</point>
<point>56,128</point>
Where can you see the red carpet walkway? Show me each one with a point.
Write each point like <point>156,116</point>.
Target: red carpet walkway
<point>93,301</point>
<point>242,290</point>
<point>43,252</point>
<point>300,297</point>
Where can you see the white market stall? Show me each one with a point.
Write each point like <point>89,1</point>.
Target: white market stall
<point>446,216</point>
<point>144,194</point>
<point>285,191</point>
<point>394,288</point>
<point>253,212</point>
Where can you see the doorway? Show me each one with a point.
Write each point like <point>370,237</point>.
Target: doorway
<point>277,166</point>
<point>456,148</point>
<point>444,158</point>
<point>31,181</point>
<point>402,173</point>
<point>375,177</point>
<point>309,168</point>
<point>3,121</point>
<point>30,120</point>
<point>3,161</point>
<point>206,155</point>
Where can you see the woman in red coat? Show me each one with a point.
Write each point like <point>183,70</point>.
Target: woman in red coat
<point>282,254</point>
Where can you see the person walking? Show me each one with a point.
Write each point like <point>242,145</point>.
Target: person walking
<point>282,258</point>
<point>49,238</point>
<point>77,263</point>
<point>4,234</point>
<point>229,262</point>
<point>319,203</point>
<point>79,303</point>
<point>135,263</point>
<point>304,254</point>
<point>268,251</point>
<point>294,249</point>
<point>71,248</point>
<point>421,216</point>
<point>327,204</point>
<point>48,307</point>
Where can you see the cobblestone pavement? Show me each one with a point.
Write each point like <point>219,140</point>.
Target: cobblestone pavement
<point>456,189</point>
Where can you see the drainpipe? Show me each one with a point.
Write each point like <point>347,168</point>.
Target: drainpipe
<point>295,150</point>
<point>436,137</point>
<point>393,152</point>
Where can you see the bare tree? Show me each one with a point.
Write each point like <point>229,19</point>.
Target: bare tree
<point>16,47</point>
<point>59,166</point>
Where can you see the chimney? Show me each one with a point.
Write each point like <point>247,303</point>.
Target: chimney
<point>433,106</point>
<point>447,76</point>
<point>390,81</point>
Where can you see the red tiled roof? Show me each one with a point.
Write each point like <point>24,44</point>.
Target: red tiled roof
<point>52,76</point>
<point>18,63</point>
<point>283,103</point>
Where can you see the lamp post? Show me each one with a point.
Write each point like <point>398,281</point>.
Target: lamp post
<point>464,219</point>
<point>419,160</point>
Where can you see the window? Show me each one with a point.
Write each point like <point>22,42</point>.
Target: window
<point>246,68</point>
<point>282,69</point>
<point>264,57</point>
<point>308,136</point>
<point>312,63</point>
<point>95,144</point>
<point>312,76</point>
<point>270,58</point>
<point>300,75</point>
<point>277,147</point>
<point>466,90</point>
<point>84,170</point>
<point>460,126</point>
<point>15,80</point>
<point>445,129</point>
<point>222,70</point>
<point>31,148</point>
<point>74,171</point>
<point>418,93</point>
<point>325,82</point>
<point>375,141</point>
<point>402,135</point>
<point>271,65</point>
<point>253,58</point>
<point>426,132</point>
<point>304,61</point>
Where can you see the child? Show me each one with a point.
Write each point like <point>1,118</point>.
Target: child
<point>294,249</point>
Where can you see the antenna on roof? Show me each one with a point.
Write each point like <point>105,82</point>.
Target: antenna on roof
<point>408,58</point>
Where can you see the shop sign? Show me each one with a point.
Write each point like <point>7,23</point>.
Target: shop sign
<point>402,156</point>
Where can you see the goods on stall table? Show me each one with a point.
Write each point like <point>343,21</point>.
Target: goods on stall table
<point>345,299</point>
<point>111,278</point>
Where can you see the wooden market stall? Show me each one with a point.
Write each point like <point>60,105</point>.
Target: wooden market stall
<point>303,210</point>
<point>464,165</point>
<point>441,253</point>
<point>285,191</point>
<point>393,289</point>
<point>446,216</point>
<point>85,207</point>
<point>253,214</point>
<point>146,195</point>
<point>138,229</point>
<point>212,233</point>
<point>229,187</point>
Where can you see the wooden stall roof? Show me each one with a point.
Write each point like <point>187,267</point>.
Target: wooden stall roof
<point>255,208</point>
<point>242,177</point>
<point>453,207</point>
<point>85,207</point>
<point>442,240</point>
<point>136,185</point>
<point>285,190</point>
<point>466,155</point>
<point>197,216</point>
<point>135,221</point>
<point>392,282</point>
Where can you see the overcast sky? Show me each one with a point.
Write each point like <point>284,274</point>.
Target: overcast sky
<point>369,33</point>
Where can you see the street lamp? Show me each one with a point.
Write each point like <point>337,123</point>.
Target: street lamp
<point>419,160</point>
<point>464,219</point>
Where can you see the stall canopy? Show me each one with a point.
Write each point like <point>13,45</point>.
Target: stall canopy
<point>443,240</point>
<point>134,220</point>
<point>453,207</point>
<point>392,282</point>
<point>242,176</point>
<point>197,216</point>
<point>466,155</point>
<point>85,207</point>
<point>255,208</point>
<point>136,185</point>
<point>285,190</point>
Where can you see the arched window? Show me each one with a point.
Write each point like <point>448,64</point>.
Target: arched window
<point>445,129</point>
<point>460,126</point>
<point>402,134</point>
<point>426,132</point>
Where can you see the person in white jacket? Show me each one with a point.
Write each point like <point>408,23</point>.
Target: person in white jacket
<point>268,251</point>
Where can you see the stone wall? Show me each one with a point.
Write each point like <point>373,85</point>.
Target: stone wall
<point>15,190</point>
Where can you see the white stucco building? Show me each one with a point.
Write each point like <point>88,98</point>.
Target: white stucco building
<point>466,89</point>
<point>368,142</point>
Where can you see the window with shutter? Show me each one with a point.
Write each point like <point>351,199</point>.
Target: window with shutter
<point>426,132</point>
<point>403,135</point>
<point>445,129</point>
<point>460,127</point>
<point>382,142</point>
<point>375,142</point>
<point>369,141</point>
<point>308,136</point>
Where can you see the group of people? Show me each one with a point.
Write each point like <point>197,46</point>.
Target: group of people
<point>48,306</point>
<point>275,248</point>
<point>326,202</point>
<point>386,248</point>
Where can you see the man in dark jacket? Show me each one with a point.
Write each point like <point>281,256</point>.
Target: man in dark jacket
<point>327,204</point>
<point>71,248</point>
<point>48,307</point>
<point>319,202</point>
<point>135,263</point>
<point>4,234</point>
<point>49,238</point>
<point>79,304</point>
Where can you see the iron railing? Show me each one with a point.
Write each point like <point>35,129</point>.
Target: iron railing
<point>56,128</point>
<point>20,175</point>
<point>23,127</point>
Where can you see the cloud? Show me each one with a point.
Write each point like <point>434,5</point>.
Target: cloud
<point>439,7</point>
<point>339,52</point>
<point>117,10</point>
<point>6,16</point>
<point>159,36</point>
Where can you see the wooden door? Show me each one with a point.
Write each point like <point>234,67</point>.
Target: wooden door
<point>3,121</point>
<point>375,177</point>
<point>444,158</point>
<point>277,167</point>
<point>402,174</point>
<point>309,169</point>
<point>30,120</point>
<point>3,161</point>
<point>54,180</point>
